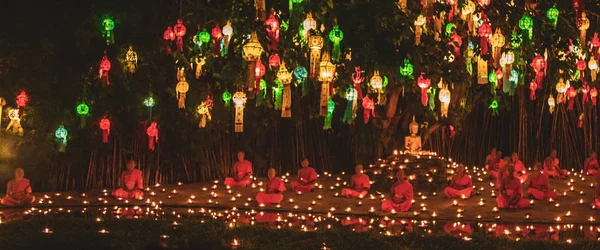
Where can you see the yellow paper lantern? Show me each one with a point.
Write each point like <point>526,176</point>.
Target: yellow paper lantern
<point>327,70</point>
<point>239,99</point>
<point>285,77</point>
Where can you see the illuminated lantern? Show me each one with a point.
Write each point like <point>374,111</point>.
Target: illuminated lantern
<point>15,122</point>
<point>152,132</point>
<point>227,33</point>
<point>407,70</point>
<point>239,99</point>
<point>493,78</point>
<point>498,42</point>
<point>506,61</point>
<point>593,95</point>
<point>494,107</point>
<point>300,73</point>
<point>532,88</point>
<point>201,38</point>
<point>2,103</point>
<point>424,84</point>
<point>149,102</point>
<point>552,15</point>
<point>358,79</point>
<point>594,45</point>
<point>551,104</point>
<point>252,52</point>
<point>180,31</point>
<point>350,112</point>
<point>581,65</point>
<point>104,68</point>
<point>259,72</point>
<point>277,94</point>
<point>82,111</point>
<point>182,88</point>
<point>418,30</point>
<point>561,89</point>
<point>204,111</point>
<point>585,89</point>
<point>445,97</point>
<point>483,3</point>
<point>308,25</point>
<point>200,61</point>
<point>285,77</point>
<point>61,134</point>
<point>456,43</point>
<point>274,61</point>
<point>571,94</point>
<point>329,117</point>
<point>482,70</point>
<point>377,85</point>
<point>336,36</point>
<point>467,14</point>
<point>131,58</point>
<point>272,26</point>
<point>315,43</point>
<point>453,9</point>
<point>108,25</point>
<point>583,24</point>
<point>226,97</point>
<point>169,35</point>
<point>526,25</point>
<point>485,33</point>
<point>368,108</point>
<point>22,99</point>
<point>327,70</point>
<point>105,127</point>
<point>593,65</point>
<point>217,34</point>
<point>516,40</point>
<point>402,5</point>
<point>539,66</point>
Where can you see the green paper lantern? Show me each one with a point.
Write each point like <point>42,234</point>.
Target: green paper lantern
<point>494,107</point>
<point>226,97</point>
<point>83,109</point>
<point>552,14</point>
<point>297,1</point>
<point>149,102</point>
<point>336,36</point>
<point>108,25</point>
<point>61,134</point>
<point>204,36</point>
<point>526,24</point>
<point>516,40</point>
<point>408,69</point>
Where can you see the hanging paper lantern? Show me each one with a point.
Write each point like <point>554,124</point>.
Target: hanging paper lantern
<point>377,85</point>
<point>108,25</point>
<point>551,104</point>
<point>259,72</point>
<point>169,35</point>
<point>593,65</point>
<point>315,43</point>
<point>539,65</point>
<point>418,30</point>
<point>227,33</point>
<point>456,43</point>
<point>217,34</point>
<point>182,88</point>
<point>308,25</point>
<point>327,70</point>
<point>494,107</point>
<point>583,24</point>
<point>424,84</point>
<point>82,111</point>
<point>369,108</point>
<point>407,69</point>
<point>498,42</point>
<point>274,61</point>
<point>445,97</point>
<point>358,79</point>
<point>180,31</point>
<point>201,38</point>
<point>252,52</point>
<point>300,73</point>
<point>329,117</point>
<point>453,9</point>
<point>105,127</point>
<point>585,89</point>
<point>449,29</point>
<point>513,80</point>
<point>152,132</point>
<point>483,3</point>
<point>200,61</point>
<point>552,14</point>
<point>581,66</point>
<point>149,102</point>
<point>485,33</point>
<point>532,89</point>
<point>131,58</point>
<point>285,77</point>
<point>239,99</point>
<point>526,25</point>
<point>22,99</point>
<point>467,14</point>
<point>482,70</point>
<point>350,112</point>
<point>226,97</point>
<point>402,5</point>
<point>571,94</point>
<point>561,89</point>
<point>61,134</point>
<point>593,95</point>
<point>277,95</point>
<point>516,40</point>
<point>336,36</point>
<point>204,111</point>
<point>15,122</point>
<point>272,26</point>
<point>104,68</point>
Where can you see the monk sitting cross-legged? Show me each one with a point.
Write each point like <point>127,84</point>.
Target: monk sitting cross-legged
<point>274,188</point>
<point>552,168</point>
<point>495,165</point>
<point>511,191</point>
<point>591,165</point>
<point>401,195</point>
<point>520,170</point>
<point>489,159</point>
<point>130,184</point>
<point>539,187</point>
<point>307,177</point>
<point>503,170</point>
<point>243,171</point>
<point>359,184</point>
<point>18,191</point>
<point>461,184</point>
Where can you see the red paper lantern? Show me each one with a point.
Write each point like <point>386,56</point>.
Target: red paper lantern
<point>483,3</point>
<point>539,65</point>
<point>424,84</point>
<point>22,100</point>
<point>180,31</point>
<point>169,35</point>
<point>571,94</point>
<point>105,127</point>
<point>259,72</point>
<point>152,133</point>
<point>272,26</point>
<point>585,89</point>
<point>485,33</point>
<point>104,68</point>
<point>217,34</point>
<point>593,95</point>
<point>274,61</point>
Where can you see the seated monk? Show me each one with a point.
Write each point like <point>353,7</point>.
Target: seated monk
<point>489,159</point>
<point>590,166</point>
<point>503,170</point>
<point>520,169</point>
<point>401,195</point>
<point>272,193</point>
<point>307,177</point>
<point>243,171</point>
<point>495,165</point>
<point>552,168</point>
<point>539,187</point>
<point>461,184</point>
<point>511,191</point>
<point>18,191</point>
<point>359,184</point>
<point>130,184</point>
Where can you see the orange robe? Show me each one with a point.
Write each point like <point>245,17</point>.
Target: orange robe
<point>489,160</point>
<point>360,186</point>
<point>494,168</point>
<point>273,195</point>
<point>242,179</point>
<point>513,188</point>
<point>554,171</point>
<point>402,191</point>
<point>520,170</point>
<point>19,193</point>
<point>537,185</point>
<point>460,187</point>
<point>132,186</point>
<point>307,176</point>
<point>591,166</point>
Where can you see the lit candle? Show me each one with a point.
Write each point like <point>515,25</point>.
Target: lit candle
<point>495,209</point>
<point>454,203</point>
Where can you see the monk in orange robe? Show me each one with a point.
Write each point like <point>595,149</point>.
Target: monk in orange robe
<point>590,165</point>
<point>359,184</point>
<point>495,165</point>
<point>489,159</point>
<point>131,184</point>
<point>511,191</point>
<point>520,169</point>
<point>307,177</point>
<point>503,170</point>
<point>460,185</point>
<point>18,190</point>
<point>539,186</point>
<point>243,172</point>
<point>272,194</point>
<point>552,168</point>
<point>401,195</point>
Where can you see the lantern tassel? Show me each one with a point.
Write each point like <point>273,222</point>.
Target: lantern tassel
<point>179,43</point>
<point>324,99</point>
<point>329,117</point>
<point>349,114</point>
<point>286,105</point>
<point>532,88</point>
<point>424,99</point>
<point>239,118</point>
<point>336,52</point>
<point>105,133</point>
